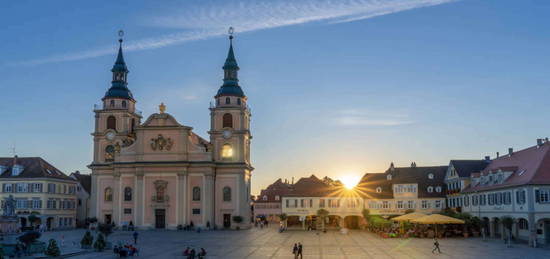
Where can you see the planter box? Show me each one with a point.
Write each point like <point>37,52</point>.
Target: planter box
<point>37,247</point>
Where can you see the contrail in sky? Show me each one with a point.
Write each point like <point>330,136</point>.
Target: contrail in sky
<point>204,19</point>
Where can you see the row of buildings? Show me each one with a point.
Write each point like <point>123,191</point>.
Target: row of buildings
<point>57,200</point>
<point>516,185</point>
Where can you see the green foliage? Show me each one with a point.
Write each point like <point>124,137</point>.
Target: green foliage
<point>99,243</point>
<point>33,219</point>
<point>283,216</point>
<point>53,249</point>
<point>322,213</point>
<point>29,237</point>
<point>237,219</point>
<point>93,220</point>
<point>366,214</point>
<point>87,240</point>
<point>378,222</point>
<point>105,229</point>
<point>507,222</point>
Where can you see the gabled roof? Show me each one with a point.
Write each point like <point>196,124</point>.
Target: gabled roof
<point>404,175</point>
<point>465,167</point>
<point>85,181</point>
<point>33,167</point>
<point>529,166</point>
<point>314,187</point>
<point>278,188</point>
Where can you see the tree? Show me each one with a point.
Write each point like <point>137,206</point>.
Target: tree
<point>29,237</point>
<point>237,219</point>
<point>105,229</point>
<point>322,213</point>
<point>99,243</point>
<point>409,211</point>
<point>53,249</point>
<point>282,216</point>
<point>87,240</point>
<point>33,219</point>
<point>508,223</point>
<point>366,215</point>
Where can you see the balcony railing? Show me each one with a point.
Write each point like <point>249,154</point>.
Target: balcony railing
<point>160,199</point>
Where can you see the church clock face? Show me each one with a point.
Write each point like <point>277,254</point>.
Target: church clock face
<point>110,135</point>
<point>226,134</point>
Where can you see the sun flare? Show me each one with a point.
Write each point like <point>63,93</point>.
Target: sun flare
<point>350,181</point>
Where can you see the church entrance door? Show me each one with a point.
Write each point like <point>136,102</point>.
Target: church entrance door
<point>160,218</point>
<point>226,220</point>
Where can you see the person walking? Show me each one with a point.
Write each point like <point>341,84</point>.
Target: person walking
<point>202,253</point>
<point>295,250</point>
<point>300,250</point>
<point>135,237</point>
<point>436,246</point>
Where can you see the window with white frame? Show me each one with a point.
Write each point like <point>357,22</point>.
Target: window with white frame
<point>386,204</point>
<point>425,204</point>
<point>520,197</point>
<point>523,224</point>
<point>277,197</point>
<point>36,204</point>
<point>430,176</point>
<point>438,204</point>
<point>388,177</point>
<point>542,195</point>
<point>475,200</point>
<point>438,189</point>
<point>430,189</point>
<point>399,204</point>
<point>378,189</point>
<point>466,201</point>
<point>410,204</point>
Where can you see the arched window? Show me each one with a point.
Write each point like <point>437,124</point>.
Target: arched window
<point>239,101</point>
<point>227,121</point>
<point>123,104</point>
<point>227,151</point>
<point>111,122</point>
<point>196,193</point>
<point>430,189</point>
<point>523,224</point>
<point>227,100</point>
<point>108,194</point>
<point>109,153</point>
<point>438,189</point>
<point>378,189</point>
<point>127,194</point>
<point>112,103</point>
<point>226,193</point>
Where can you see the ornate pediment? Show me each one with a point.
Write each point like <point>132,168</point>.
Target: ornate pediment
<point>161,120</point>
<point>161,143</point>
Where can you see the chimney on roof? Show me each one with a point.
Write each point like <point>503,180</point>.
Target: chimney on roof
<point>487,158</point>
<point>539,142</point>
<point>14,160</point>
<point>498,154</point>
<point>391,167</point>
<point>292,179</point>
<point>510,151</point>
<point>413,164</point>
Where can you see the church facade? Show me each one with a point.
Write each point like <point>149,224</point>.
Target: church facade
<point>158,173</point>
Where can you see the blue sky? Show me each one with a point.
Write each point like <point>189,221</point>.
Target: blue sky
<point>336,87</point>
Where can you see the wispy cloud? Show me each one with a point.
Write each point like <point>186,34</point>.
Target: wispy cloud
<point>200,20</point>
<point>371,118</point>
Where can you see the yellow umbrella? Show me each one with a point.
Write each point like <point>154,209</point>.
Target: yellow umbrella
<point>410,216</point>
<point>437,219</point>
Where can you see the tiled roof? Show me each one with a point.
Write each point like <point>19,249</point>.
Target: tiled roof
<point>33,167</point>
<point>85,180</point>
<point>529,166</point>
<point>278,188</point>
<point>465,167</point>
<point>404,175</point>
<point>315,187</point>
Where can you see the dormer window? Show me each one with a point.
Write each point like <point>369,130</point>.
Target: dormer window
<point>388,177</point>
<point>378,189</point>
<point>430,176</point>
<point>277,197</point>
<point>16,170</point>
<point>438,189</point>
<point>2,169</point>
<point>264,198</point>
<point>430,189</point>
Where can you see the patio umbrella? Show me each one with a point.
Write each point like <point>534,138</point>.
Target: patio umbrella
<point>437,219</point>
<point>409,217</point>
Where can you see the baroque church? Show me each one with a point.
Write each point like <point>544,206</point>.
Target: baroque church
<point>158,173</point>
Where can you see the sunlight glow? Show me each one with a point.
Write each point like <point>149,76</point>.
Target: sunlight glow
<point>350,181</point>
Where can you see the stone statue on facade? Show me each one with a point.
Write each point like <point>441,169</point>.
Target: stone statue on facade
<point>9,207</point>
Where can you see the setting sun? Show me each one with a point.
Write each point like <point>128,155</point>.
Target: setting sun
<point>350,181</point>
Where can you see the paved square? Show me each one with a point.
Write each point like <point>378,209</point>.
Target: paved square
<point>268,243</point>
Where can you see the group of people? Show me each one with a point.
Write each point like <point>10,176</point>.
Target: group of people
<point>191,253</point>
<point>297,250</point>
<point>126,250</point>
<point>261,223</point>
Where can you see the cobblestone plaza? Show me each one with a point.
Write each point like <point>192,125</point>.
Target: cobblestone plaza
<point>268,243</point>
